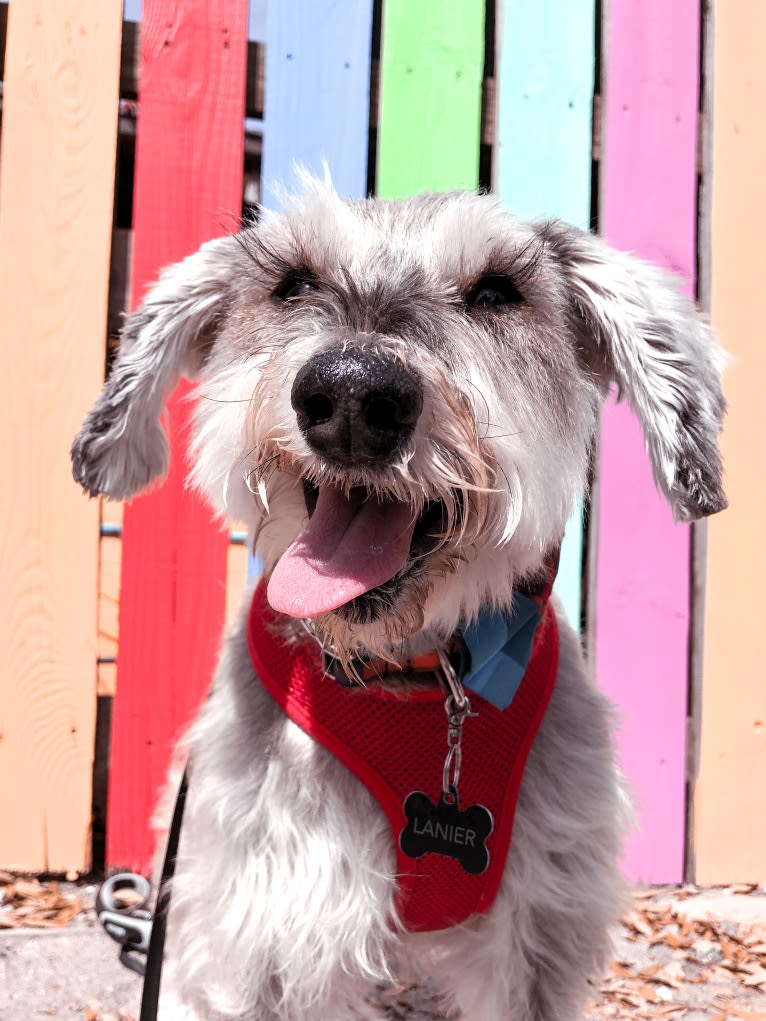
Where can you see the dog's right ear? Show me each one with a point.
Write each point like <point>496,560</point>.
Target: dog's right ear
<point>122,446</point>
<point>642,332</point>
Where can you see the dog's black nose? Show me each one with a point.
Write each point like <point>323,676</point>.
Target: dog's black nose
<point>354,406</point>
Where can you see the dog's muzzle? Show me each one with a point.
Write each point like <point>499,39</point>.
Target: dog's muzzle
<point>355,407</point>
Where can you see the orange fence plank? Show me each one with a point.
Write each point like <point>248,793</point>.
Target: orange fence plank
<point>236,580</point>
<point>109,569</point>
<point>57,173</point>
<point>730,826</point>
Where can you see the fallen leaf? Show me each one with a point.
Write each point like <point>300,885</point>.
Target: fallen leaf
<point>748,1015</point>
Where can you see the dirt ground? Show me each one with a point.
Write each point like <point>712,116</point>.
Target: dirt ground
<point>681,953</point>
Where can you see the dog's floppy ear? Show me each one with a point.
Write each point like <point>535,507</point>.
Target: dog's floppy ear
<point>122,446</point>
<point>635,321</point>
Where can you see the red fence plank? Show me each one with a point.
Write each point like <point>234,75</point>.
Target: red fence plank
<point>189,160</point>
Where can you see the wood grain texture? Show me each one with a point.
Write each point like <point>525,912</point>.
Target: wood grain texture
<point>318,93</point>
<point>58,148</point>
<point>542,158</point>
<point>649,190</point>
<point>188,188</point>
<point>432,62</point>
<point>236,580</point>
<point>109,574</point>
<point>730,826</point>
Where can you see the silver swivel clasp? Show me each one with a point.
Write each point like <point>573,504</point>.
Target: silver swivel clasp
<point>457,706</point>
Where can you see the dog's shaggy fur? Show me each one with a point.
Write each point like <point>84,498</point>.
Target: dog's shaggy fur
<point>512,333</point>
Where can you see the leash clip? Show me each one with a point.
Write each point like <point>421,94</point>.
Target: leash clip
<point>131,927</point>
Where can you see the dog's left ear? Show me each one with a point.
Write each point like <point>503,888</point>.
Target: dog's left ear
<point>122,446</point>
<point>634,321</point>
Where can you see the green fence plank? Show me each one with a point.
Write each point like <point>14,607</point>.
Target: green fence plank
<point>432,62</point>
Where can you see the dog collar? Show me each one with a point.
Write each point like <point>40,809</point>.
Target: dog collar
<point>449,857</point>
<point>489,656</point>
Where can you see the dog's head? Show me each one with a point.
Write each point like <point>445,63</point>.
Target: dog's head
<point>399,398</point>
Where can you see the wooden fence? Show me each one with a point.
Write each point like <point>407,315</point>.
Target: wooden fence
<point>642,121</point>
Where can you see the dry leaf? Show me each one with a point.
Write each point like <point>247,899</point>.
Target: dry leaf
<point>748,1015</point>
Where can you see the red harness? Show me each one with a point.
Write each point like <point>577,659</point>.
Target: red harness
<point>395,744</point>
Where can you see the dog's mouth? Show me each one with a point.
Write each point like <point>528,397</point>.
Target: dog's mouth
<point>355,548</point>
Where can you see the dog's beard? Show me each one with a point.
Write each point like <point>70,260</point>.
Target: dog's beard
<point>378,620</point>
<point>357,551</point>
<point>363,560</point>
<point>442,495</point>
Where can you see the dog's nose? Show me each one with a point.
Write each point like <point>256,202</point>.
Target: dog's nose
<point>355,406</point>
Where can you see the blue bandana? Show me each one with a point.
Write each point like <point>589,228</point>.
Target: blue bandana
<point>500,647</point>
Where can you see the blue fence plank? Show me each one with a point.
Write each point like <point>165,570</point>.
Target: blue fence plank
<point>545,76</point>
<point>317,92</point>
<point>317,97</point>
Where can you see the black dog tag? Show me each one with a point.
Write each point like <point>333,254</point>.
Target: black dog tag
<point>444,829</point>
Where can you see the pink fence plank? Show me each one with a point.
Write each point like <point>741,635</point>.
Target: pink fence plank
<point>643,574</point>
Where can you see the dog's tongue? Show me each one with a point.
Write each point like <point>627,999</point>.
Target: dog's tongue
<point>349,546</point>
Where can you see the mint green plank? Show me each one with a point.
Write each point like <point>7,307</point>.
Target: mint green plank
<point>546,58</point>
<point>432,62</point>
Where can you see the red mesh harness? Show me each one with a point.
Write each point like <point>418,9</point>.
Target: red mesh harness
<point>395,744</point>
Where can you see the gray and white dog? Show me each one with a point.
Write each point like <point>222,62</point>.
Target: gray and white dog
<point>430,373</point>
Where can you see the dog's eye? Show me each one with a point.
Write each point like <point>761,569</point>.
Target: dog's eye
<point>294,286</point>
<point>494,291</point>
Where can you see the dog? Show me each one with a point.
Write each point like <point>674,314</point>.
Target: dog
<point>400,399</point>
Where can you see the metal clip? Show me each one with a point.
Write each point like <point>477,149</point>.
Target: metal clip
<point>457,706</point>
<point>131,927</point>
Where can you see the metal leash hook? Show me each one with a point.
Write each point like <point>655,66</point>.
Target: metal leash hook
<point>457,706</point>
<point>131,927</point>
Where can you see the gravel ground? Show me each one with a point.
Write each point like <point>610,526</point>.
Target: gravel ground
<point>684,953</point>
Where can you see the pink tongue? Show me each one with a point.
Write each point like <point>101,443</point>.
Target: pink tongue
<point>349,546</point>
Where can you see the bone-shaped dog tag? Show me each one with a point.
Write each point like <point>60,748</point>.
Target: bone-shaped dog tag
<point>443,829</point>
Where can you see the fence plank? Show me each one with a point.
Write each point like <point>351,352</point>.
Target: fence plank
<point>730,826</point>
<point>432,63</point>
<point>318,92</point>
<point>189,163</point>
<point>643,577</point>
<point>59,132</point>
<point>543,153</point>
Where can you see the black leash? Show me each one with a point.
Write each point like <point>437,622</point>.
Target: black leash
<point>151,992</point>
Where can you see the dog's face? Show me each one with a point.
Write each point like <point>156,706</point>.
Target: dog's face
<point>399,399</point>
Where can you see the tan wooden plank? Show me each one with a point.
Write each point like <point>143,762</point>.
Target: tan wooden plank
<point>110,562</point>
<point>236,580</point>
<point>730,827</point>
<point>57,172</point>
<point>109,568</point>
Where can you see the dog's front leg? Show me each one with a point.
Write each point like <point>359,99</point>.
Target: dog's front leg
<point>548,932</point>
<point>284,886</point>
